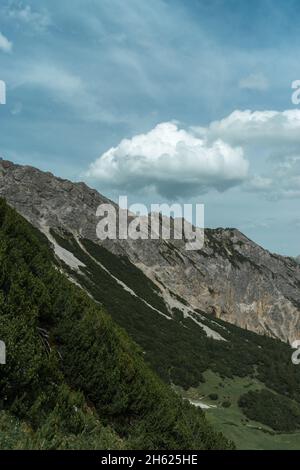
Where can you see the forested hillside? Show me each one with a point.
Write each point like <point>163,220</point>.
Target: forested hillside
<point>73,379</point>
<point>178,346</point>
<point>201,355</point>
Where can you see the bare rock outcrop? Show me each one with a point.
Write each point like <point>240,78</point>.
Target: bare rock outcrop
<point>231,278</point>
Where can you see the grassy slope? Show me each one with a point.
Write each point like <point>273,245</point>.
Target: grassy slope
<point>247,434</point>
<point>74,379</point>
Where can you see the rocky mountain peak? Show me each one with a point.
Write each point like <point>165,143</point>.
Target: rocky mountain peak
<point>231,277</point>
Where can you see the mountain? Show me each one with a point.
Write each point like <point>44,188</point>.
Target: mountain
<point>180,307</point>
<point>73,379</point>
<point>231,278</point>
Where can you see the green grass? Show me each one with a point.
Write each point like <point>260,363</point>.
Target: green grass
<point>247,434</point>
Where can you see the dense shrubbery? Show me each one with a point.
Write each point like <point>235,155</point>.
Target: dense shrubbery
<point>276,411</point>
<point>213,396</point>
<point>226,404</point>
<point>181,355</point>
<point>73,379</point>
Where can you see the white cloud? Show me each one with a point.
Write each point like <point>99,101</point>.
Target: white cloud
<point>24,14</point>
<point>172,161</point>
<point>258,127</point>
<point>259,183</point>
<point>5,44</point>
<point>54,78</point>
<point>271,134</point>
<point>177,162</point>
<point>254,81</point>
<point>282,181</point>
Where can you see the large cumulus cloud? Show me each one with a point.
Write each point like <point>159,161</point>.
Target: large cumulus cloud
<point>258,150</point>
<point>172,161</point>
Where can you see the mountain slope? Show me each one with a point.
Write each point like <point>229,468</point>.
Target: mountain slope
<point>180,344</point>
<point>73,379</point>
<point>191,348</point>
<point>231,278</point>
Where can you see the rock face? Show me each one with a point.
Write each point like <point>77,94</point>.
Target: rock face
<point>44,199</point>
<point>231,277</point>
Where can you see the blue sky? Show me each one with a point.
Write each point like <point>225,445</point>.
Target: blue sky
<point>200,89</point>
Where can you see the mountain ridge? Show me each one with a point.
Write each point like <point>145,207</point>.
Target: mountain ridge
<point>254,289</point>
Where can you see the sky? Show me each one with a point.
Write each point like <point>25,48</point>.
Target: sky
<point>163,101</point>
